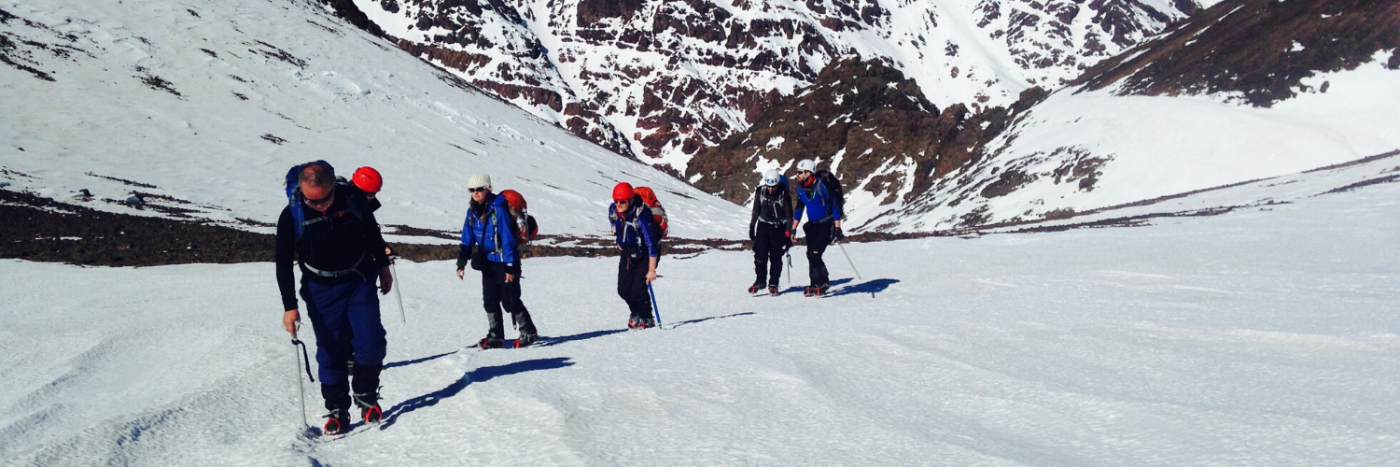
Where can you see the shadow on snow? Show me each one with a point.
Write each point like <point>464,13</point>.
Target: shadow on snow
<point>417,361</point>
<point>701,320</point>
<point>871,287</point>
<point>799,288</point>
<point>552,341</point>
<point>478,375</point>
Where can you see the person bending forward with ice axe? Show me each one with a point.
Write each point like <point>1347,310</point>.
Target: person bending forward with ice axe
<point>329,229</point>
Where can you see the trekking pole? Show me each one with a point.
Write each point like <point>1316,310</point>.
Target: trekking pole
<point>296,374</point>
<point>848,260</point>
<point>394,273</point>
<point>654,309</point>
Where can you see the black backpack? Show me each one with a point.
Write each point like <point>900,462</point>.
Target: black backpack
<point>833,188</point>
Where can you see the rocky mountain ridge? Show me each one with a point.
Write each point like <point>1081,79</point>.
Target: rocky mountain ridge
<point>1257,51</point>
<point>662,80</point>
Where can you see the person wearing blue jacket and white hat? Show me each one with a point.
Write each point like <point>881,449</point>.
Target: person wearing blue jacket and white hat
<point>490,229</point>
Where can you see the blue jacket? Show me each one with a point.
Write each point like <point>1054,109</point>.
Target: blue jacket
<point>493,233</point>
<point>634,230</point>
<point>816,200</point>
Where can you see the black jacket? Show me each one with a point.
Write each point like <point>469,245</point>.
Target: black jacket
<point>335,244</point>
<point>775,208</point>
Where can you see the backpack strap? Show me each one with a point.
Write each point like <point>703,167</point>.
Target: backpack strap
<point>496,226</point>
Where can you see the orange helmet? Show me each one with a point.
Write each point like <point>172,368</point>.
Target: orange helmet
<point>368,179</point>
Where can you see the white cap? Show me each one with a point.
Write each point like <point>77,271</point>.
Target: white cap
<point>806,165</point>
<point>770,177</point>
<point>479,180</point>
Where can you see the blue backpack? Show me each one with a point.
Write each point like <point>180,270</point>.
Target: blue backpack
<point>294,197</point>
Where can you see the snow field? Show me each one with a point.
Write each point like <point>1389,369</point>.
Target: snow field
<point>1155,146</point>
<point>1258,337</point>
<point>264,86</point>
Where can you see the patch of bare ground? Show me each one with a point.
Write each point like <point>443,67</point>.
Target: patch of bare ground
<point>42,229</point>
<point>123,181</point>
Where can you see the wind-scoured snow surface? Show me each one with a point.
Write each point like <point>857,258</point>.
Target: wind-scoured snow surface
<point>1264,336</point>
<point>1081,151</point>
<point>207,104</point>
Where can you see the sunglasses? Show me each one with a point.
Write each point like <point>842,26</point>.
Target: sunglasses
<point>622,201</point>
<point>480,189</point>
<point>322,200</point>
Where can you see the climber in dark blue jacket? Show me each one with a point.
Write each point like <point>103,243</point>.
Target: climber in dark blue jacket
<point>639,241</point>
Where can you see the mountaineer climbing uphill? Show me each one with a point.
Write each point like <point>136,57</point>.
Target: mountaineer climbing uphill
<point>329,228</point>
<point>639,244</point>
<point>490,243</point>
<point>768,229</point>
<point>821,198</point>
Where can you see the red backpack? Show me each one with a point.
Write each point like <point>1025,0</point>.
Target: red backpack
<point>658,213</point>
<point>526,228</point>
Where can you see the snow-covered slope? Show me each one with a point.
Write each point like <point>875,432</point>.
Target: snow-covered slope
<point>1104,143</point>
<point>201,107</point>
<point>675,76</point>
<point>1264,336</point>
<point>1246,89</point>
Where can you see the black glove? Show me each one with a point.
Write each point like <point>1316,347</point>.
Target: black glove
<point>837,234</point>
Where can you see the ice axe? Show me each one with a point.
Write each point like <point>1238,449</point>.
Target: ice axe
<point>296,374</point>
<point>789,261</point>
<point>393,272</point>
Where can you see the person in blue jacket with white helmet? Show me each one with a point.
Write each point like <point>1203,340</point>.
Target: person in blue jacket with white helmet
<point>491,230</point>
<point>822,203</point>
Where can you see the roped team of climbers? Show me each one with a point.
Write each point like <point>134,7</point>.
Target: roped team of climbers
<point>341,252</point>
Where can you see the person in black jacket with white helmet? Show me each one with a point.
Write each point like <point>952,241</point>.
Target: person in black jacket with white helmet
<point>768,228</point>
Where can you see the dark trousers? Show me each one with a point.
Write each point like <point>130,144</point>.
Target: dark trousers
<point>345,320</point>
<point>632,284</point>
<point>769,244</point>
<point>496,293</point>
<point>818,238</point>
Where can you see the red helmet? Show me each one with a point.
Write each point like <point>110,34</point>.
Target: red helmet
<point>368,179</point>
<point>623,191</point>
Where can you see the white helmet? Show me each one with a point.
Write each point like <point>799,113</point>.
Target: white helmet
<point>770,177</point>
<point>806,165</point>
<point>479,180</point>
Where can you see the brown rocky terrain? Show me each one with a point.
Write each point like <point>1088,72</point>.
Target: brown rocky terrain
<point>42,229</point>
<point>869,114</point>
<point>1259,50</point>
